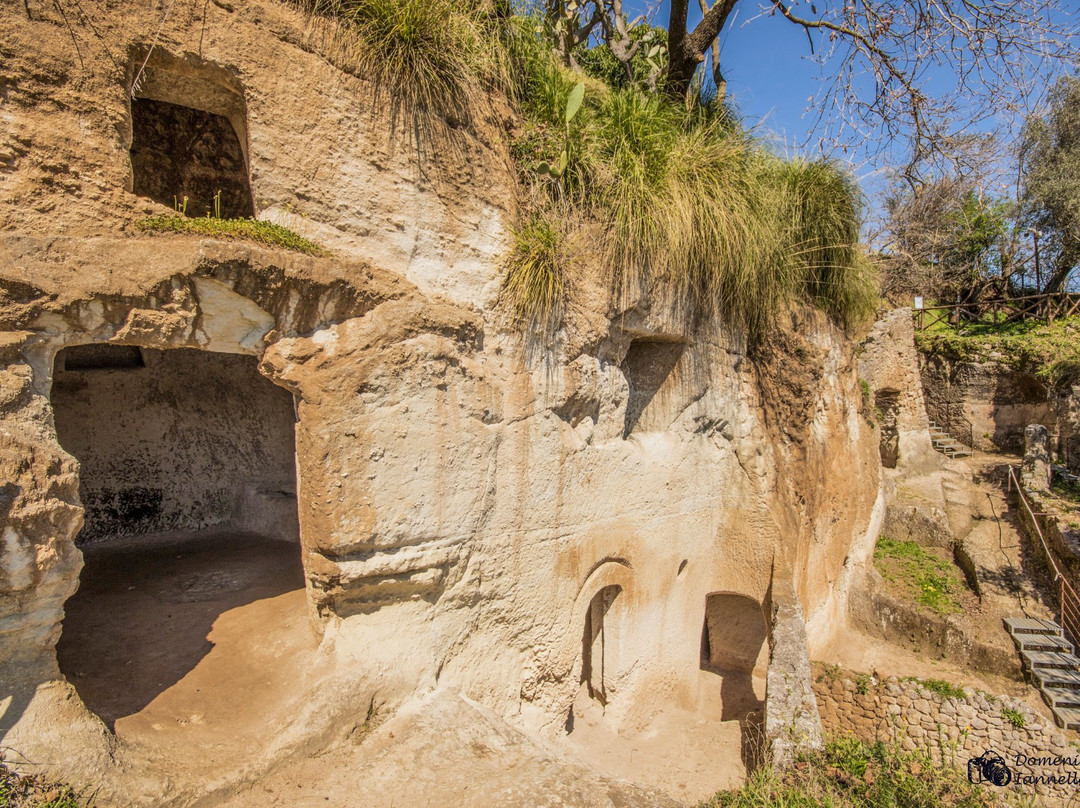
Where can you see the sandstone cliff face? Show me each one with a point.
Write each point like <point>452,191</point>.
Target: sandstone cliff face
<point>461,503</point>
<point>986,403</point>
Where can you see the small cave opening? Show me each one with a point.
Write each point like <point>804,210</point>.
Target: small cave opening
<point>733,647</point>
<point>599,644</point>
<point>649,364</point>
<point>189,159</point>
<point>193,585</point>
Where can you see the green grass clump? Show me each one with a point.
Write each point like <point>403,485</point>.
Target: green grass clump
<point>939,687</point>
<point>929,579</point>
<point>34,791</point>
<point>854,774</point>
<point>1013,716</point>
<point>694,209</point>
<point>272,235</point>
<point>1051,351</point>
<point>537,269</point>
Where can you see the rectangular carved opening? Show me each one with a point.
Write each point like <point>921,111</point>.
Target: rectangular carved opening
<point>179,152</point>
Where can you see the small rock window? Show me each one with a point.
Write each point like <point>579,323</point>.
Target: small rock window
<point>180,153</point>
<point>648,365</point>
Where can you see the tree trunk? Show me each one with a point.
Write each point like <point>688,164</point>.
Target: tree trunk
<point>686,50</point>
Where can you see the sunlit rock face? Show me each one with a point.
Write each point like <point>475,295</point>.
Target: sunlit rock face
<point>597,522</point>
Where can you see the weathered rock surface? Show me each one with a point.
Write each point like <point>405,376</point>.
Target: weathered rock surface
<point>461,502</point>
<point>985,404</point>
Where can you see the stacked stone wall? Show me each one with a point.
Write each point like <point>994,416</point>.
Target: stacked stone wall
<point>908,713</point>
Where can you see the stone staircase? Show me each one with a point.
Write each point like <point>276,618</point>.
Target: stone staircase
<point>1051,664</point>
<point>946,443</point>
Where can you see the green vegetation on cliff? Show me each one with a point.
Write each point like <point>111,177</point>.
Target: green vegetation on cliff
<point>1049,351</point>
<point>854,774</point>
<point>267,233</point>
<point>668,200</point>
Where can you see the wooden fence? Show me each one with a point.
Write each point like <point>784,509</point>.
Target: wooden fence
<point>1000,311</point>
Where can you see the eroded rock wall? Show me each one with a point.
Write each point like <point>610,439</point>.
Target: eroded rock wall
<point>985,404</point>
<point>325,154</point>
<point>462,500</point>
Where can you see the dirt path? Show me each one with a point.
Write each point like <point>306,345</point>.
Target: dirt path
<point>442,750</point>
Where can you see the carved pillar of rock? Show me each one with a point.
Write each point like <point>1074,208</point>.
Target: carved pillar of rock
<point>792,722</point>
<point>1035,473</point>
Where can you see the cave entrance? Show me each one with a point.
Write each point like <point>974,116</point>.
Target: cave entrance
<point>193,586</point>
<point>649,367</point>
<point>599,644</point>
<point>733,647</point>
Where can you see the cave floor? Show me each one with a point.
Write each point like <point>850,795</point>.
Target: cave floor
<point>192,641</point>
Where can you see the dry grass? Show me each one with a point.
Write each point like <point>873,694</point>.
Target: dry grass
<point>695,211</point>
<point>33,791</point>
<point>426,57</point>
<point>537,268</point>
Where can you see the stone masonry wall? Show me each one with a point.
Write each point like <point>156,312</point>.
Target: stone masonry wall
<point>905,710</point>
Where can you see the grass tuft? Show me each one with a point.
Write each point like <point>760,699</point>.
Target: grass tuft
<point>33,791</point>
<point>426,56</point>
<point>537,269</point>
<point>272,235</point>
<point>853,774</point>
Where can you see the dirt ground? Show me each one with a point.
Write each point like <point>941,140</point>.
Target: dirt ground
<point>192,644</point>
<point>189,641</point>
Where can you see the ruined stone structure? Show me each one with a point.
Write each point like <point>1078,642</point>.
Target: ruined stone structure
<point>615,519</point>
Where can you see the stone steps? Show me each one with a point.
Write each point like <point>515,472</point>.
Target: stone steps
<point>946,444</point>
<point>1051,664</point>
<point>1068,718</point>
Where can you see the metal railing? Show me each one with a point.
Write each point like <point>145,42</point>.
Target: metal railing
<point>1069,602</point>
